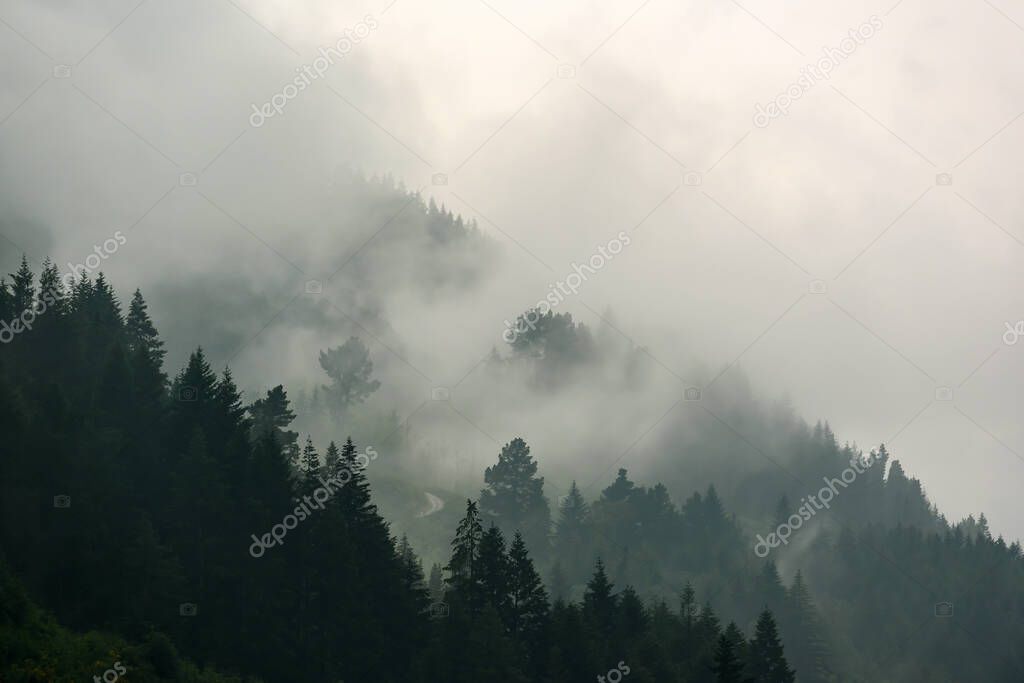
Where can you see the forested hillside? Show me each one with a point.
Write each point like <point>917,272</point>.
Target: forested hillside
<point>171,513</point>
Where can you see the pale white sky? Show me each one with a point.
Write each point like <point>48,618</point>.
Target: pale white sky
<point>920,277</point>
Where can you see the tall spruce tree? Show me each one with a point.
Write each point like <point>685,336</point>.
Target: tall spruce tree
<point>22,289</point>
<point>464,581</point>
<point>141,334</point>
<point>804,634</point>
<point>529,599</point>
<point>728,663</point>
<point>494,572</point>
<point>766,661</point>
<point>599,604</point>
<point>310,467</point>
<point>571,531</point>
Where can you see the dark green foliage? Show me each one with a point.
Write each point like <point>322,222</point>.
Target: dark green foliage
<point>514,496</point>
<point>572,534</point>
<point>494,572</point>
<point>766,662</point>
<point>271,415</point>
<point>350,369</point>
<point>464,582</point>
<point>528,598</point>
<point>177,491</point>
<point>728,665</point>
<point>557,347</point>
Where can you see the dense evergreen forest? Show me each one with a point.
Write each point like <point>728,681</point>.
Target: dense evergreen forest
<point>160,527</point>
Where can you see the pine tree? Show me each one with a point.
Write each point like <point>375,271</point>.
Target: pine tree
<point>529,599</point>
<point>708,630</point>
<point>332,459</point>
<point>804,634</point>
<point>464,581</point>
<point>713,512</point>
<point>515,496</point>
<point>51,291</point>
<point>310,464</point>
<point>572,515</point>
<point>599,603</point>
<point>728,665</point>
<point>412,576</point>
<point>631,617</point>
<point>766,661</point>
<point>141,334</point>
<point>105,309</point>
<point>193,392</point>
<point>22,289</point>
<point>768,588</point>
<point>620,490</point>
<point>6,302</point>
<point>350,368</point>
<point>494,572</point>
<point>571,530</point>
<point>146,357</point>
<point>272,414</point>
<point>355,498</point>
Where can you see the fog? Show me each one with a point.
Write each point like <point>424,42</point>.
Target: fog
<point>849,261</point>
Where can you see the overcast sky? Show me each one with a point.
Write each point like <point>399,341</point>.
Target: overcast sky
<point>857,254</point>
